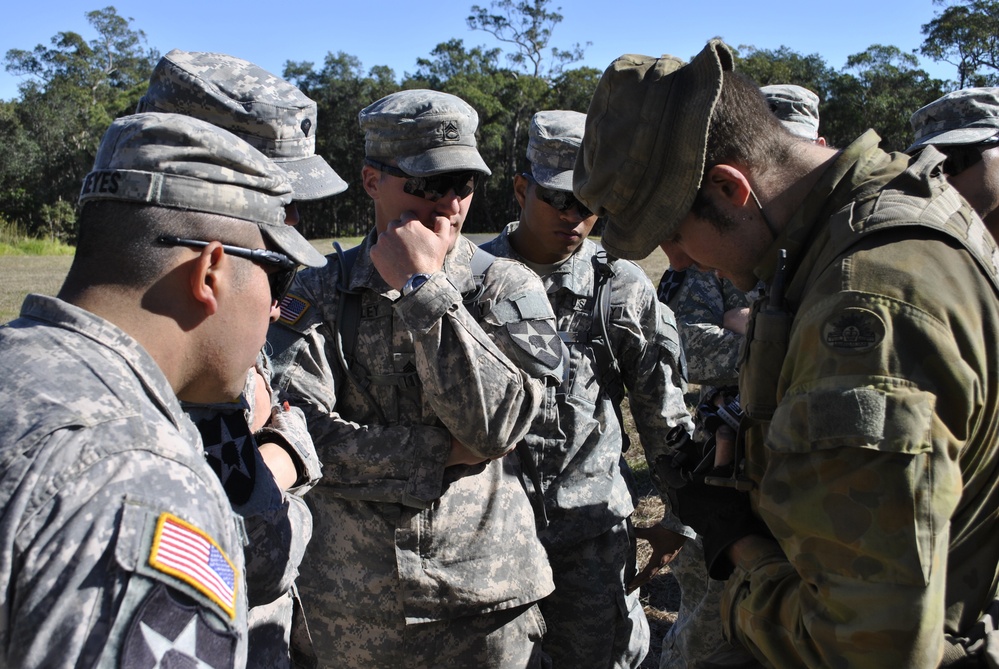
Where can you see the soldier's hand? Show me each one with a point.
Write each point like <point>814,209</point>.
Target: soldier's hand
<point>261,401</point>
<point>408,247</point>
<point>462,455</point>
<point>665,546</point>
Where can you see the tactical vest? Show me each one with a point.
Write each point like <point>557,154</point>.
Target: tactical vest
<point>923,204</point>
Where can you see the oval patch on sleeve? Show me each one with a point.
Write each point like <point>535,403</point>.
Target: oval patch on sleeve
<point>853,330</point>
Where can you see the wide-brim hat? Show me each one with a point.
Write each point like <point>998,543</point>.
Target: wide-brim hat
<point>642,157</point>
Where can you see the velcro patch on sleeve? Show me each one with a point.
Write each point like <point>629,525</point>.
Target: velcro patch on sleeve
<point>187,553</point>
<point>293,308</point>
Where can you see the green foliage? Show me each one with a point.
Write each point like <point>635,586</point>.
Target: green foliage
<point>14,241</point>
<point>76,88</point>
<point>887,87</point>
<point>966,35</point>
<point>528,26</point>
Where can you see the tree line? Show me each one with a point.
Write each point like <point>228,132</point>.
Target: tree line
<point>76,87</point>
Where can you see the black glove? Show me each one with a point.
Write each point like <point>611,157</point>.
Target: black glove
<point>720,515</point>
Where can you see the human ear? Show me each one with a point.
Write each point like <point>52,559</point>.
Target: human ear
<point>205,276</point>
<point>730,183</point>
<point>370,180</point>
<point>520,189</point>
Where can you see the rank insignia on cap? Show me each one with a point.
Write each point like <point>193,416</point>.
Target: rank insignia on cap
<point>854,330</point>
<point>450,131</point>
<point>185,552</point>
<point>292,308</point>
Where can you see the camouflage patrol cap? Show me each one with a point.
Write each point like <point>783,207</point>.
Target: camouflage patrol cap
<point>642,156</point>
<point>796,107</point>
<point>552,144</point>
<point>176,161</point>
<point>270,114</point>
<point>425,132</point>
<point>967,116</point>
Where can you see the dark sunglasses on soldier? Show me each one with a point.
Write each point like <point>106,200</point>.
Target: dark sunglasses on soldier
<point>283,267</point>
<point>431,188</point>
<point>562,200</point>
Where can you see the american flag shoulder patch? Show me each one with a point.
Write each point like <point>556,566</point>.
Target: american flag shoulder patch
<point>292,308</point>
<point>189,554</point>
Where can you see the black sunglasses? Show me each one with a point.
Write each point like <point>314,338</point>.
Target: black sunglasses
<point>280,279</point>
<point>432,188</point>
<point>562,200</point>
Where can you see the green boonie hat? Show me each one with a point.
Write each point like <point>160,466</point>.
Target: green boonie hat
<point>796,107</point>
<point>967,116</point>
<point>642,157</point>
<point>552,144</point>
<point>176,161</point>
<point>267,112</point>
<point>425,132</point>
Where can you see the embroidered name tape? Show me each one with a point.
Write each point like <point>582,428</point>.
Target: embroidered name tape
<point>185,552</point>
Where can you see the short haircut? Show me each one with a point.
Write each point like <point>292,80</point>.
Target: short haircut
<point>117,241</point>
<point>743,130</point>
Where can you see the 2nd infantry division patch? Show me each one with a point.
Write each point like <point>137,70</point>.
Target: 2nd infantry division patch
<point>185,552</point>
<point>853,330</point>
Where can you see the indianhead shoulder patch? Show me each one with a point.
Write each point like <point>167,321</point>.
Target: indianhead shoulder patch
<point>853,330</point>
<point>190,555</point>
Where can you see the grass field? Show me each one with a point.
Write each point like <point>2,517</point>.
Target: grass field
<point>20,275</point>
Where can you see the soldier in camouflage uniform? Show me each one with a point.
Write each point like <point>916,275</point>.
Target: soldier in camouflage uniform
<point>712,315</point>
<point>265,467</point>
<point>119,546</point>
<point>964,126</point>
<point>416,377</point>
<point>862,531</point>
<point>593,620</point>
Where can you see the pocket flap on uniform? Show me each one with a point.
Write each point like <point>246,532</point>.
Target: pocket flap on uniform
<point>162,546</point>
<point>890,420</point>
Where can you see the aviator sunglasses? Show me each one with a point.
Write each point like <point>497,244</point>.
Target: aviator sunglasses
<point>280,279</point>
<point>562,200</point>
<point>434,187</point>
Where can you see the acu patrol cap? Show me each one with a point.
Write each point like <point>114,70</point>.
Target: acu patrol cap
<point>553,142</point>
<point>967,116</point>
<point>425,132</point>
<point>642,156</point>
<point>176,161</point>
<point>796,107</point>
<point>267,112</point>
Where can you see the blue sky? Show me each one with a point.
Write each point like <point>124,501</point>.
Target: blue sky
<point>396,33</point>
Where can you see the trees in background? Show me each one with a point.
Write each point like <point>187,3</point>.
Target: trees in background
<point>75,87</point>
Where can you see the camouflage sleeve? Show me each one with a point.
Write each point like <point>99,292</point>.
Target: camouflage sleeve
<point>288,429</point>
<point>485,382</point>
<point>97,582</point>
<point>712,351</point>
<point>858,479</point>
<point>647,346</point>
<point>278,538</point>
<point>401,464</point>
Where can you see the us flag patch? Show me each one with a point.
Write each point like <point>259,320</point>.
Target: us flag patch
<point>185,552</point>
<point>292,308</point>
